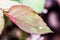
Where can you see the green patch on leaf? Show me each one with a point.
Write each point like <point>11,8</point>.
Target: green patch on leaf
<point>15,0</point>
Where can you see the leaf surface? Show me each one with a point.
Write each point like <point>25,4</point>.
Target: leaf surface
<point>1,21</point>
<point>28,20</point>
<point>36,5</point>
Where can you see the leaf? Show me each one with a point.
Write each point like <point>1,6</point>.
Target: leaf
<point>36,5</point>
<point>15,0</point>
<point>8,4</point>
<point>1,21</point>
<point>28,20</point>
